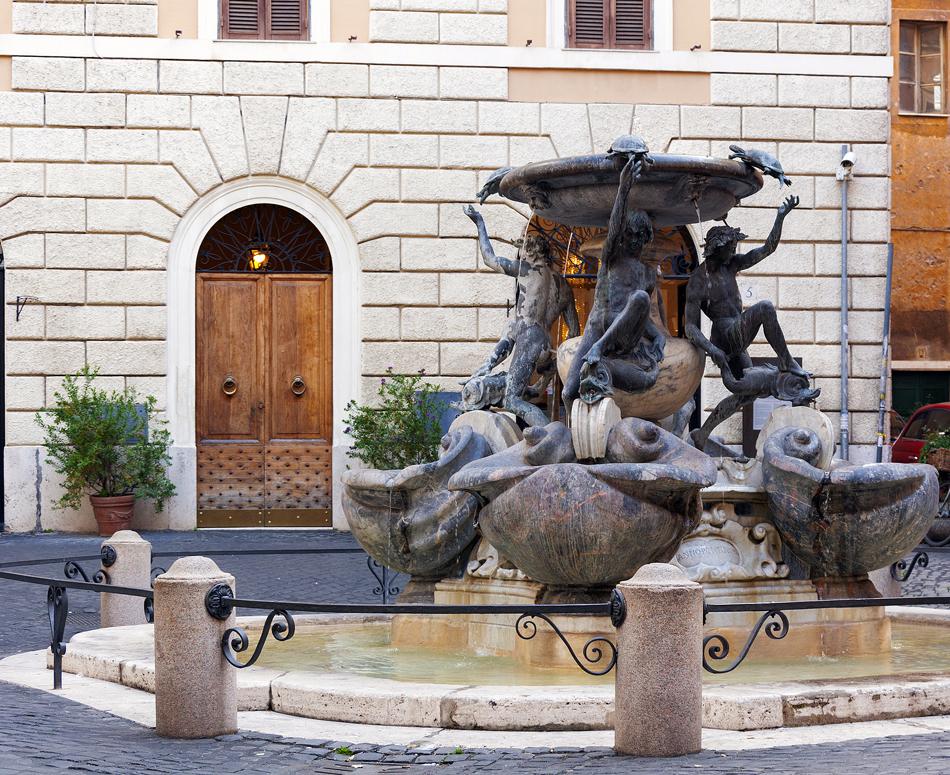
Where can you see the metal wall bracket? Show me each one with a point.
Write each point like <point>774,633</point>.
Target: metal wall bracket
<point>21,302</point>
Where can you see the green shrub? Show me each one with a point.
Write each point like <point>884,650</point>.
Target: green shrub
<point>935,440</point>
<point>106,443</point>
<point>402,429</point>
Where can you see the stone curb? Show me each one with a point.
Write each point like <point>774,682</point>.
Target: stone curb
<point>123,655</point>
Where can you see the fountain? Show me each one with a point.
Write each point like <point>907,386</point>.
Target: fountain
<point>520,509</point>
<point>565,511</point>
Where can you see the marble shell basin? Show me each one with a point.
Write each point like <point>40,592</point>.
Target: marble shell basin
<point>571,525</point>
<point>580,190</point>
<point>852,519</point>
<point>408,520</point>
<point>681,371</point>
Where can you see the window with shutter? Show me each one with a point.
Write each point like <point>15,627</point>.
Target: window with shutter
<point>265,19</point>
<point>610,24</point>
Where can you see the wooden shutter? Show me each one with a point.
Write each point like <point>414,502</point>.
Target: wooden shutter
<point>288,20</point>
<point>588,23</point>
<point>632,24</point>
<point>265,19</point>
<point>242,19</point>
<point>610,24</point>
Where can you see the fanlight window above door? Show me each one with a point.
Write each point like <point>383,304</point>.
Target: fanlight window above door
<point>264,238</point>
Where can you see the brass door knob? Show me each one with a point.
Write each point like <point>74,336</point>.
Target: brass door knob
<point>229,386</point>
<point>298,387</point>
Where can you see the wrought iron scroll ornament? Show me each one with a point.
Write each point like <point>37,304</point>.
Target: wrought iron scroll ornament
<point>290,242</point>
<point>57,608</point>
<point>386,586</point>
<point>235,640</point>
<point>902,570</point>
<point>107,556</point>
<point>592,653</point>
<point>716,647</point>
<point>72,569</point>
<point>149,605</point>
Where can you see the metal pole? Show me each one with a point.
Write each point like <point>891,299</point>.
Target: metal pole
<point>844,424</point>
<point>885,347</point>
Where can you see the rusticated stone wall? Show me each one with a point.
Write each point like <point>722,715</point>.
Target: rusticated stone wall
<point>101,157</point>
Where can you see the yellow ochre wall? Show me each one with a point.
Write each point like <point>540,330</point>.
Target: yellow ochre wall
<point>347,18</point>
<point>177,15</point>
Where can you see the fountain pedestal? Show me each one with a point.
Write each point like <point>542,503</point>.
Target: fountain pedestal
<point>493,633</point>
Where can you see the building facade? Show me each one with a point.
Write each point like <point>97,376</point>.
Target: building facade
<point>128,131</point>
<point>921,211</point>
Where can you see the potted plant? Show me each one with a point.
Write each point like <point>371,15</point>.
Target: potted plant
<point>402,429</point>
<point>109,445</point>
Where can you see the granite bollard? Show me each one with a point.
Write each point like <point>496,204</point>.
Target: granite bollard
<point>131,567</point>
<point>195,687</point>
<point>658,697</point>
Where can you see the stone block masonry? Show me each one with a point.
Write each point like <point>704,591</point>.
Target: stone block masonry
<point>100,158</point>
<point>399,164</point>
<point>438,21</point>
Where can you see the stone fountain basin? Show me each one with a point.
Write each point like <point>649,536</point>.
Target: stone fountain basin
<point>406,519</point>
<point>578,525</point>
<point>124,655</point>
<point>852,519</point>
<point>580,190</point>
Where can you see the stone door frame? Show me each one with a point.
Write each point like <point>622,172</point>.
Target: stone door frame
<point>182,254</point>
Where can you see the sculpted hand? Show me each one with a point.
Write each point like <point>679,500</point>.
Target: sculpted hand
<point>719,358</point>
<point>593,356</point>
<point>472,213</point>
<point>633,167</point>
<point>787,206</point>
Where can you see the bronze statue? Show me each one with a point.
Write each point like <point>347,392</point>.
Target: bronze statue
<point>622,347</point>
<point>713,290</point>
<point>542,296</point>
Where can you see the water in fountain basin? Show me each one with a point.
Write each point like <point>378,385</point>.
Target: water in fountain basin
<point>365,650</point>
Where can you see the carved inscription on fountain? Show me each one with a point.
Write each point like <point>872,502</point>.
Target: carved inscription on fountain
<point>724,549</point>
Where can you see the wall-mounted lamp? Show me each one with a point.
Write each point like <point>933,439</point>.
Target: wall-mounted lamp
<point>177,33</point>
<point>528,42</point>
<point>258,258</point>
<point>352,38</point>
<point>696,47</point>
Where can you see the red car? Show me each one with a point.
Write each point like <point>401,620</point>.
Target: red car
<point>926,420</point>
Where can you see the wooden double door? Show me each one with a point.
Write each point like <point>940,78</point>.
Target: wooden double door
<point>264,399</point>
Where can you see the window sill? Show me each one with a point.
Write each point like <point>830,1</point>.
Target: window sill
<point>911,114</point>
<point>612,50</point>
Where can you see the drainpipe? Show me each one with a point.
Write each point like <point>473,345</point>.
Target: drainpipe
<point>882,421</point>
<point>843,175</point>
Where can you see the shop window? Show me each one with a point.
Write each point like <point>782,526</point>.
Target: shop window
<point>264,19</point>
<point>610,24</point>
<point>922,69</point>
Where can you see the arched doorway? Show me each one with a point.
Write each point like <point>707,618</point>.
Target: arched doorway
<point>264,384</point>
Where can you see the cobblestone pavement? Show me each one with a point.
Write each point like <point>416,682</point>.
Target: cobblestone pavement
<point>44,733</point>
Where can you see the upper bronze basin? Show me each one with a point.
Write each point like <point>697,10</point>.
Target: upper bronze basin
<point>580,190</point>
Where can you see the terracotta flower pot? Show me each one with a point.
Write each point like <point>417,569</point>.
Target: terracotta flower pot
<point>113,513</point>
